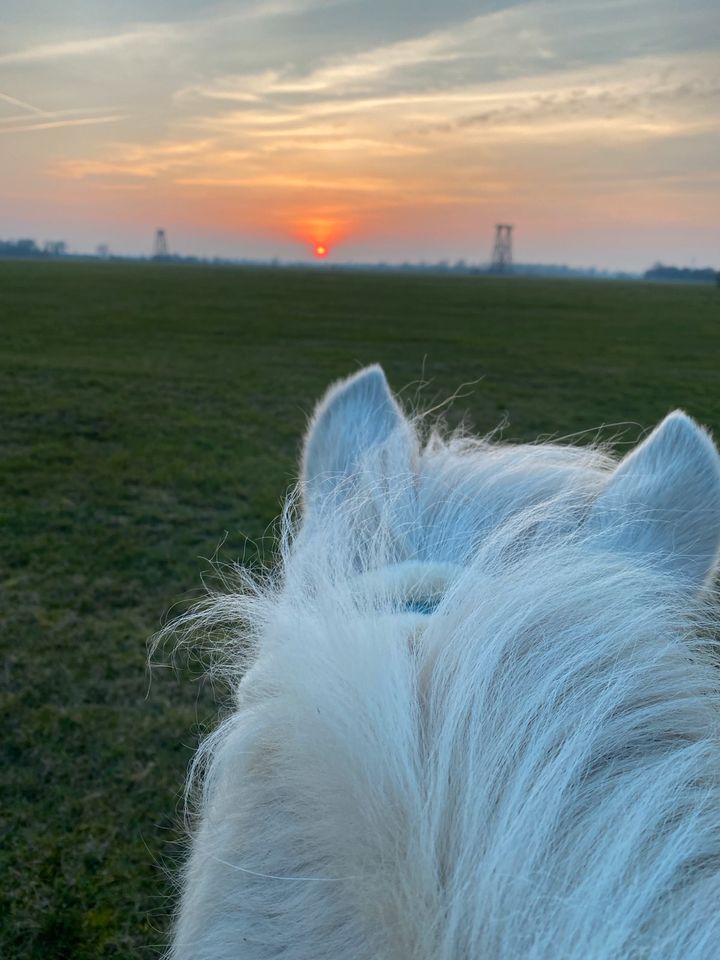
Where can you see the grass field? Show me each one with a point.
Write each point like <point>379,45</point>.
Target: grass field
<point>150,412</point>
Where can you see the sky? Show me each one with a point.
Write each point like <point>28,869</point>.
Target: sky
<point>381,129</point>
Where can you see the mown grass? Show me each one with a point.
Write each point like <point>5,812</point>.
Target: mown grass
<point>150,412</point>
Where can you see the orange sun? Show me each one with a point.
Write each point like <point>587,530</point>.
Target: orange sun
<point>321,250</point>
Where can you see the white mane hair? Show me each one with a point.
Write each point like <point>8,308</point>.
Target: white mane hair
<point>479,712</point>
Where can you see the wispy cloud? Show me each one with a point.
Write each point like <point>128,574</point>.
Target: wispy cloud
<point>347,184</point>
<point>269,9</point>
<point>161,33</point>
<point>144,161</point>
<point>496,78</point>
<point>151,34</point>
<point>644,97</point>
<point>373,66</point>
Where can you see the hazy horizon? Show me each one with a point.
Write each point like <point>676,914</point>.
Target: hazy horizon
<point>390,132</point>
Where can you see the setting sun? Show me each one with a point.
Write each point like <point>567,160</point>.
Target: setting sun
<point>321,250</point>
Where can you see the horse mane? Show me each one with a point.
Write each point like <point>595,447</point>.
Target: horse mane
<point>468,725</point>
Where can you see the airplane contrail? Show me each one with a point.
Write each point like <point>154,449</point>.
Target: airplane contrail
<point>21,103</point>
<point>83,121</point>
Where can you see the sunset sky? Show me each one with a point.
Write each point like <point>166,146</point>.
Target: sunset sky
<point>394,130</point>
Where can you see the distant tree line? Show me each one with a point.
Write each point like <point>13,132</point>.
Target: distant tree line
<point>662,272</point>
<point>29,248</point>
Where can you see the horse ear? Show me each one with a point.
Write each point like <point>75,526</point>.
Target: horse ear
<point>663,501</point>
<point>355,416</point>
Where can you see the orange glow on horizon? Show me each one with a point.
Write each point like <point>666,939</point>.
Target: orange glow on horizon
<point>321,233</point>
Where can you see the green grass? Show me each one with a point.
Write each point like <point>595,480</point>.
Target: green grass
<point>146,411</point>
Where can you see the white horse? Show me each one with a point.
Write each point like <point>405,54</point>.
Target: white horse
<point>479,715</point>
